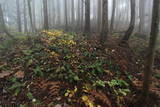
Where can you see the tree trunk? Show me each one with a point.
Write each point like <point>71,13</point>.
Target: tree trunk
<point>30,14</point>
<point>18,16</point>
<point>2,24</point>
<point>132,24</point>
<point>34,15</point>
<point>25,16</point>
<point>113,16</point>
<point>73,15</point>
<point>58,13</point>
<point>78,15</point>
<point>142,5</point>
<point>54,14</point>
<point>99,15</point>
<point>45,12</point>
<point>66,17</point>
<point>87,18</point>
<point>82,13</point>
<point>153,37</point>
<point>104,32</point>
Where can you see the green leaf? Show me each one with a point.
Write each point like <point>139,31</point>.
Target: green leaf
<point>29,95</point>
<point>27,52</point>
<point>124,92</point>
<point>13,79</point>
<point>117,82</point>
<point>16,85</point>
<point>99,83</point>
<point>29,62</point>
<point>17,91</point>
<point>38,71</point>
<point>76,78</point>
<point>157,76</point>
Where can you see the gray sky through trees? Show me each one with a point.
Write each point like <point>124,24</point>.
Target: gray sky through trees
<point>56,13</point>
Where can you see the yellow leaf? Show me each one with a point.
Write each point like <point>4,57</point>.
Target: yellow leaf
<point>75,89</point>
<point>90,104</point>
<point>84,98</point>
<point>98,105</point>
<point>66,94</point>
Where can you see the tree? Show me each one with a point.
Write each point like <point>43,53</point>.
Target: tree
<point>18,16</point>
<point>45,12</point>
<point>113,15</point>
<point>141,14</point>
<point>33,14</point>
<point>66,17</point>
<point>58,13</point>
<point>87,18</point>
<point>99,15</point>
<point>104,31</point>
<point>73,14</point>
<point>128,33</point>
<point>2,24</point>
<point>153,37</point>
<point>82,14</point>
<point>30,14</point>
<point>25,16</point>
<point>78,14</point>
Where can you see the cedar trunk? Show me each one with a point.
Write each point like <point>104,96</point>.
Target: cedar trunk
<point>132,23</point>
<point>18,16</point>
<point>113,16</point>
<point>45,12</point>
<point>87,18</point>
<point>153,37</point>
<point>104,32</point>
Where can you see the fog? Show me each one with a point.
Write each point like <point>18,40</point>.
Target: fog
<point>57,19</point>
<point>79,53</point>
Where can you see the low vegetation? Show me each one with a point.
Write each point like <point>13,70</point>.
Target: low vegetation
<point>58,68</point>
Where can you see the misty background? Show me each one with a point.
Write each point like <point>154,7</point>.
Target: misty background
<point>56,14</point>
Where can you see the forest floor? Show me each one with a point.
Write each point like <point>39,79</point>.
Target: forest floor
<point>58,69</point>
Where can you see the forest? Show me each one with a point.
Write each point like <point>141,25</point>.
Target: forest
<point>79,53</point>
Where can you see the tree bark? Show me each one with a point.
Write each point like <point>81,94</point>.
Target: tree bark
<point>104,32</point>
<point>45,12</point>
<point>66,13</point>
<point>30,15</point>
<point>34,15</point>
<point>82,13</point>
<point>142,5</point>
<point>78,15</point>
<point>18,16</point>
<point>99,15</point>
<point>113,16</point>
<point>153,37</point>
<point>58,14</point>
<point>73,15</point>
<point>2,24</point>
<point>87,18</point>
<point>132,23</point>
<point>25,16</point>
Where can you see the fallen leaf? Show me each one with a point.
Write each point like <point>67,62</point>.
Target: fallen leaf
<point>19,74</point>
<point>5,74</point>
